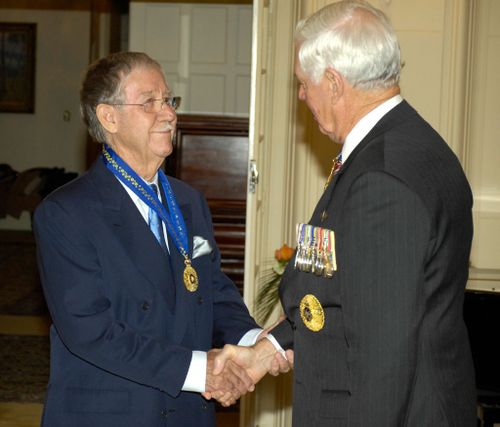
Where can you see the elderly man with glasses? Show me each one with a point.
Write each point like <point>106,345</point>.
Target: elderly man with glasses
<point>131,271</point>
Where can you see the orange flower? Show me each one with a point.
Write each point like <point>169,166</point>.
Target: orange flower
<point>284,253</point>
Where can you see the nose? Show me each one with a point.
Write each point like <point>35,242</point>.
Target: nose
<point>168,111</point>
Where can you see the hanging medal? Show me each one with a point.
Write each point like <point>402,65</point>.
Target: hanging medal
<point>319,264</point>
<point>190,276</point>
<point>299,258</point>
<point>309,248</point>
<point>315,250</point>
<point>327,255</point>
<point>173,218</point>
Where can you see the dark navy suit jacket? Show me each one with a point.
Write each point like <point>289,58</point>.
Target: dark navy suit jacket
<point>124,326</point>
<point>394,349</point>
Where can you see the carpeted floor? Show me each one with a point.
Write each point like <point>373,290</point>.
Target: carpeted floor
<point>20,288</point>
<point>24,359</point>
<point>24,368</point>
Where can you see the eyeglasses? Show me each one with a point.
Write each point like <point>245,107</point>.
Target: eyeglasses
<point>156,105</point>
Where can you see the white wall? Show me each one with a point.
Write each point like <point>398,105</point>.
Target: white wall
<point>204,49</point>
<point>483,154</point>
<point>44,139</point>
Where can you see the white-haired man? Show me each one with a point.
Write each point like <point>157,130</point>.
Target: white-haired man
<point>374,294</point>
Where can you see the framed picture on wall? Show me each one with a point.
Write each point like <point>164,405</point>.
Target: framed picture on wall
<point>17,67</point>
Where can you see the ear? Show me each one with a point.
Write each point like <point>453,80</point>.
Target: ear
<point>106,115</point>
<point>336,82</point>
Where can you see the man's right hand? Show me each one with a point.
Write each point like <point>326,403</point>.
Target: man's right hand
<point>228,383</point>
<point>257,359</point>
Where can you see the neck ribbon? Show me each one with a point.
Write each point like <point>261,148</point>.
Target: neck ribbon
<point>172,218</point>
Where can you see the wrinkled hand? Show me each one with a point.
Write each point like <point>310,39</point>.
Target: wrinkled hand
<point>289,357</point>
<point>228,383</point>
<point>280,364</point>
<point>257,359</point>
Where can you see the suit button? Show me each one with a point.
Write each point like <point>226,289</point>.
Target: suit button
<point>204,406</point>
<point>145,306</point>
<point>200,300</point>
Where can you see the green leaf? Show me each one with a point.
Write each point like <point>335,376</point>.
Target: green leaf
<point>268,296</point>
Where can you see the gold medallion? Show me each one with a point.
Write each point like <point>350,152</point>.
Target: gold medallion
<point>190,277</point>
<point>312,313</point>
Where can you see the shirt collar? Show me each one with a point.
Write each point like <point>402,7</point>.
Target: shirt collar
<point>134,196</point>
<point>366,124</point>
<point>154,181</point>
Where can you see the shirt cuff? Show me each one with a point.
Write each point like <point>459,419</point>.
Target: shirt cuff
<point>276,344</point>
<point>250,338</point>
<point>197,373</point>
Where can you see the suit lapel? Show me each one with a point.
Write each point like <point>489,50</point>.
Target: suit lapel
<point>133,233</point>
<point>144,251</point>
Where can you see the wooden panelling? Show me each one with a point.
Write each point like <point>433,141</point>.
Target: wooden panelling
<point>102,4</point>
<point>228,219</point>
<point>211,154</point>
<point>73,5</point>
<point>197,1</point>
<point>223,159</point>
<point>47,4</point>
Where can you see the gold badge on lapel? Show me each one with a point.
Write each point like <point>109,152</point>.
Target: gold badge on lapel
<point>312,313</point>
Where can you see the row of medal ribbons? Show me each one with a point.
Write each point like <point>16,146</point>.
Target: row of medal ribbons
<point>315,250</point>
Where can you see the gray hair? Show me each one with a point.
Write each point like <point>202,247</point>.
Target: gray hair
<point>353,38</point>
<point>102,84</point>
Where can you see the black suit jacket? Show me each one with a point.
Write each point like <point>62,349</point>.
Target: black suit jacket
<point>394,350</point>
<point>124,326</point>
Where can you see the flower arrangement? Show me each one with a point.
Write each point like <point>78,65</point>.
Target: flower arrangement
<point>268,296</point>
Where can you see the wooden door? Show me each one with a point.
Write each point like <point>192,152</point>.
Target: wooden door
<point>211,154</point>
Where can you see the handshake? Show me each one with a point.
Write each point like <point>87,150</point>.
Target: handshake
<point>233,371</point>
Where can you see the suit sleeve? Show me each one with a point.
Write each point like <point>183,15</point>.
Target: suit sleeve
<point>231,319</point>
<point>83,315</point>
<point>381,248</point>
<point>283,332</point>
